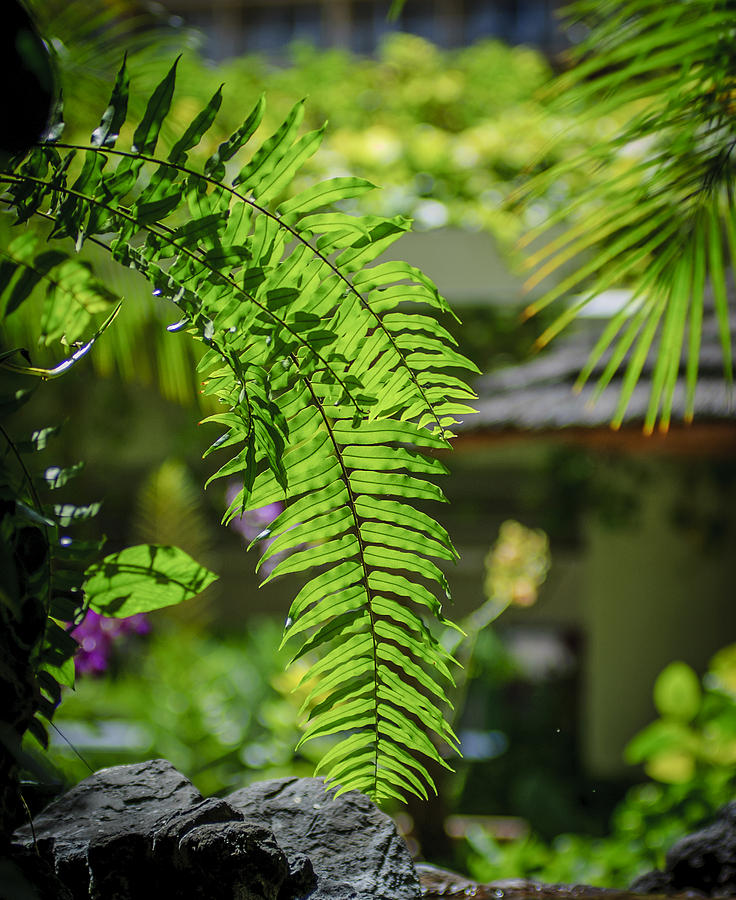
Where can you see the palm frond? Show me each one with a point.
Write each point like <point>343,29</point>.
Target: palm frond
<point>658,213</point>
<point>331,395</point>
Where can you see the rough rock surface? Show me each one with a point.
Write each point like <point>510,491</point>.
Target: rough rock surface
<point>139,831</point>
<point>237,854</point>
<point>704,861</point>
<point>115,810</point>
<point>355,849</point>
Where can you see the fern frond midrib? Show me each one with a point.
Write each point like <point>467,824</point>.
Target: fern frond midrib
<point>295,234</point>
<point>361,552</point>
<point>117,211</point>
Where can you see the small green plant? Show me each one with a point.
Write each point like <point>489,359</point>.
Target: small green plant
<point>228,720</point>
<point>689,752</point>
<point>696,731</point>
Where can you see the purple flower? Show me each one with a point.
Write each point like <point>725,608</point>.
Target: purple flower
<point>97,637</point>
<point>253,521</point>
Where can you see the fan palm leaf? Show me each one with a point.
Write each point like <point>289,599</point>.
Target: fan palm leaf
<point>658,216</point>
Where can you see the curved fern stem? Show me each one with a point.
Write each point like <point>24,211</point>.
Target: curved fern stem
<point>165,230</point>
<point>113,151</point>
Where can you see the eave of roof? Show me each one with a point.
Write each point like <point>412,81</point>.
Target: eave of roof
<point>538,398</point>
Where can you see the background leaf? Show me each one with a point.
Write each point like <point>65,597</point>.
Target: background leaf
<point>143,578</point>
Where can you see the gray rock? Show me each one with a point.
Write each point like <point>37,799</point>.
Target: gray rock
<point>654,882</point>
<point>116,810</point>
<point>119,866</point>
<point>704,861</point>
<point>302,879</point>
<point>170,832</point>
<point>237,860</point>
<point>143,831</point>
<point>355,849</point>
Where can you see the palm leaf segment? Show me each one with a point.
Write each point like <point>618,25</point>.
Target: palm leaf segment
<point>328,387</point>
<point>658,215</point>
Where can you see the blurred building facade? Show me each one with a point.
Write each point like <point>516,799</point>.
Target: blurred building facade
<point>232,27</point>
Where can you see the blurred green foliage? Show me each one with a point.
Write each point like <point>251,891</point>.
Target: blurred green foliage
<point>690,752</point>
<point>696,731</point>
<point>230,719</point>
<point>235,716</point>
<point>448,134</point>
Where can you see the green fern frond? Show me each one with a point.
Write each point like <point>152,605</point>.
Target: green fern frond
<point>331,393</point>
<point>659,209</point>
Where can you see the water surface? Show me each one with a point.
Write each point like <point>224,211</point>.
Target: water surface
<point>439,884</point>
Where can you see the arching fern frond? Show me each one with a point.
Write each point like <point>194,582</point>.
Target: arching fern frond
<point>331,393</point>
<point>658,216</point>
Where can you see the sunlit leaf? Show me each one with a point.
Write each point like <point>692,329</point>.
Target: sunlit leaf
<point>143,578</point>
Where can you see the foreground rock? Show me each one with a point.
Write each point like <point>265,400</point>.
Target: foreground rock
<point>23,876</point>
<point>704,861</point>
<point>144,831</point>
<point>355,849</point>
<point>140,831</point>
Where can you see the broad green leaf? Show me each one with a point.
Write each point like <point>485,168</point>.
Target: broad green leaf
<point>361,668</point>
<point>382,459</point>
<point>272,183</point>
<point>320,528</point>
<point>353,714</point>
<point>397,584</point>
<point>388,484</point>
<point>404,732</point>
<point>402,514</point>
<point>272,151</point>
<point>348,600</point>
<point>215,165</point>
<point>677,692</point>
<point>351,650</point>
<point>62,674</point>
<point>323,194</point>
<point>404,539</point>
<point>336,628</point>
<point>143,578</point>
<point>323,585</point>
<point>384,431</point>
